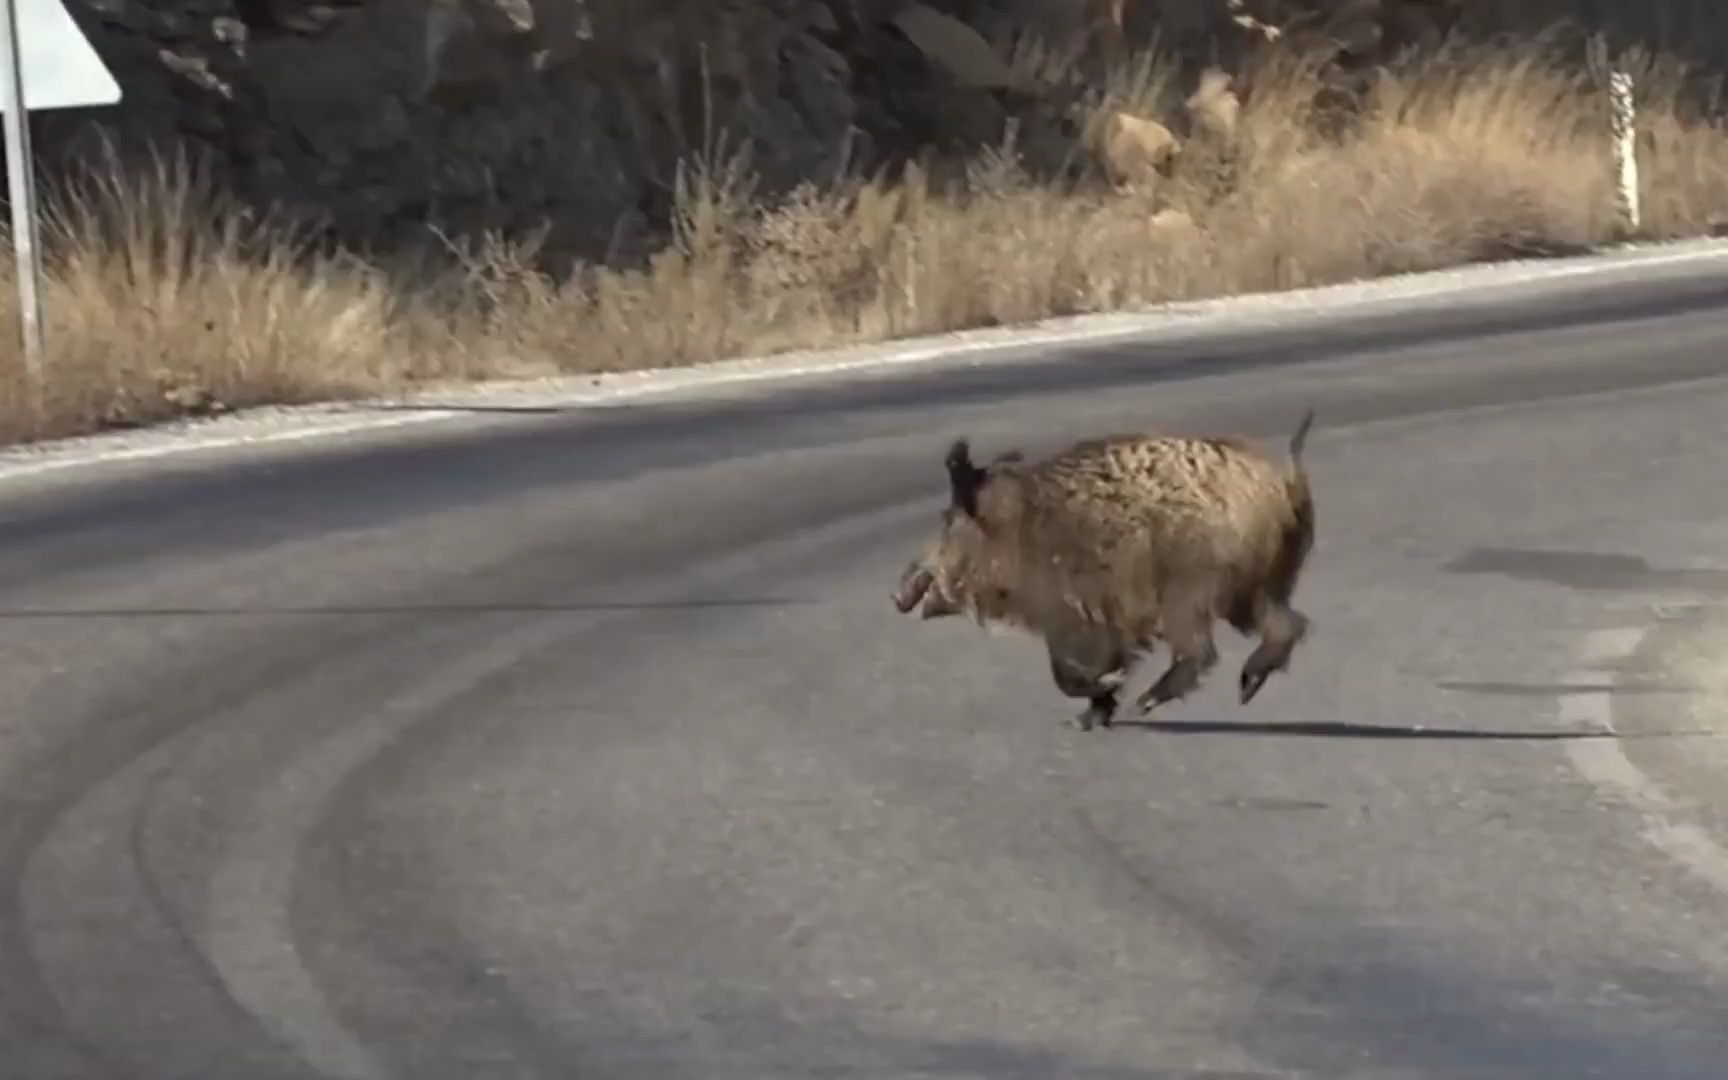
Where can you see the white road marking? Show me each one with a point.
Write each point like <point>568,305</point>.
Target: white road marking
<point>1603,763</point>
<point>1193,320</point>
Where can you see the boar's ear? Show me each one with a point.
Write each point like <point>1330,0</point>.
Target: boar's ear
<point>964,478</point>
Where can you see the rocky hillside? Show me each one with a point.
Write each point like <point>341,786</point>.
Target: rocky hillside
<point>379,115</point>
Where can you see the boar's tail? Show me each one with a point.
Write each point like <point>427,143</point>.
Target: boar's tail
<point>1300,439</point>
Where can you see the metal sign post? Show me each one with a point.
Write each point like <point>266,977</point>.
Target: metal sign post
<point>21,188</point>
<point>45,63</point>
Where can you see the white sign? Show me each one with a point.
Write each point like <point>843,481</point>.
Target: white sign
<point>61,69</point>
<point>47,63</point>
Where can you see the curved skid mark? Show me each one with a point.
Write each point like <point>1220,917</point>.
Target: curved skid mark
<point>1604,764</point>
<point>248,938</point>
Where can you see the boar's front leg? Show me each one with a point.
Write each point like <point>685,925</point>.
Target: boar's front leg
<point>1092,671</point>
<point>1188,632</point>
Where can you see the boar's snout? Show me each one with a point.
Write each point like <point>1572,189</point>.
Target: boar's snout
<point>937,606</point>
<point>915,582</point>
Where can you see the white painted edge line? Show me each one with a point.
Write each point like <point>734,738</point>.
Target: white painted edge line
<point>1604,764</point>
<point>1187,320</point>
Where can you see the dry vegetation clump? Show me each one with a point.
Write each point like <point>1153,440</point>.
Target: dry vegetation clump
<point>162,298</point>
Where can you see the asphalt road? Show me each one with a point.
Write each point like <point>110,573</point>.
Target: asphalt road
<point>589,744</point>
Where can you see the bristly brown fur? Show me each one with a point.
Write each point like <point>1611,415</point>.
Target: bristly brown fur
<point>1121,541</point>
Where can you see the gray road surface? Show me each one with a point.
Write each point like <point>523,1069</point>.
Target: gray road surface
<point>588,744</point>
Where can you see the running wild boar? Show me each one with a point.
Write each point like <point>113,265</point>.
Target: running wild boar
<point>1118,543</point>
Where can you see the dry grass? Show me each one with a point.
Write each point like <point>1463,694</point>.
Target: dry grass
<point>1475,154</point>
<point>157,292</point>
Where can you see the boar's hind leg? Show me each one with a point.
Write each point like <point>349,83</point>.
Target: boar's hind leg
<point>1090,676</point>
<point>1281,628</point>
<point>1188,632</point>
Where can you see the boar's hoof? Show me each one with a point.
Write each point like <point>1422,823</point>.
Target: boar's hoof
<point>1147,703</point>
<point>1253,678</point>
<point>1256,671</point>
<point>1102,712</point>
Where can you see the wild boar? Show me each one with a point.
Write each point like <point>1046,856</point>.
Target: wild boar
<point>1118,543</point>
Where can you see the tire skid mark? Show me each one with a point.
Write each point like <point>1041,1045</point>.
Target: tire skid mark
<point>69,777</point>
